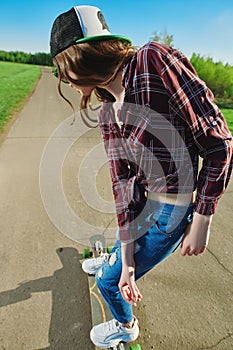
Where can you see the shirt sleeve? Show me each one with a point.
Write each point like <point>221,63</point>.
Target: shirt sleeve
<point>194,103</point>
<point>122,173</point>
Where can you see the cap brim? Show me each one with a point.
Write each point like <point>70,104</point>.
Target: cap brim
<point>103,37</point>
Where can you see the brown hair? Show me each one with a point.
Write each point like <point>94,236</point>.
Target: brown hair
<point>92,63</point>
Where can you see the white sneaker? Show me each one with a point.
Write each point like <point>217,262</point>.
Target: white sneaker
<point>111,333</point>
<point>90,266</point>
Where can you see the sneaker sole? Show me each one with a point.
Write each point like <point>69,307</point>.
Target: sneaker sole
<point>112,343</point>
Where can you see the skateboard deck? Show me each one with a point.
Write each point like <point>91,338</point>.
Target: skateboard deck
<point>99,308</point>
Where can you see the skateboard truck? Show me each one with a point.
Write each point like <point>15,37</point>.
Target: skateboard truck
<point>98,246</point>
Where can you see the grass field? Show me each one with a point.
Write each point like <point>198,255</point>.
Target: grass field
<point>16,83</point>
<point>228,114</point>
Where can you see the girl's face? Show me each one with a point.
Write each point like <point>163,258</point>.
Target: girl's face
<point>84,90</point>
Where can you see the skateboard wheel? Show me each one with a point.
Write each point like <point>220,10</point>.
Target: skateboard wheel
<point>109,249</point>
<point>135,347</point>
<point>86,253</point>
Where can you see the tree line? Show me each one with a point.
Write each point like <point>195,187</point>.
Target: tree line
<point>39,58</point>
<point>218,76</point>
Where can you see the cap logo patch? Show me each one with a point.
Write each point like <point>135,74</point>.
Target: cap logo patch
<point>102,20</point>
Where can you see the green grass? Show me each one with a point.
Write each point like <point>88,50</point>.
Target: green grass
<point>226,106</point>
<point>228,114</point>
<point>17,81</point>
<point>224,102</point>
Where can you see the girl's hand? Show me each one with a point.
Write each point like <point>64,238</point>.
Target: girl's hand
<point>128,287</point>
<point>197,234</point>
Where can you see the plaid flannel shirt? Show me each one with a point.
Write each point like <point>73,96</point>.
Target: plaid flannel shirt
<point>167,121</point>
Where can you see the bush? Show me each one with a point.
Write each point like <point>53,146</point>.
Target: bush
<point>218,77</point>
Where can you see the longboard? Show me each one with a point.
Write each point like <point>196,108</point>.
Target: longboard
<point>99,308</point>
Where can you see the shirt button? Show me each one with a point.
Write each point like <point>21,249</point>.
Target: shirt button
<point>214,123</point>
<point>211,119</point>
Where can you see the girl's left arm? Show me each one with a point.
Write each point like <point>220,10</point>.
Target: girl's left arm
<point>197,234</point>
<point>127,285</point>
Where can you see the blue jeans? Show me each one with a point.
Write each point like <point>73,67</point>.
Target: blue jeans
<point>167,225</point>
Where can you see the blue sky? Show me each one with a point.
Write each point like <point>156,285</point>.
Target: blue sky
<point>203,27</point>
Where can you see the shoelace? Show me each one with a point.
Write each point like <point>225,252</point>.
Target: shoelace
<point>105,256</point>
<point>112,326</point>
<point>99,259</point>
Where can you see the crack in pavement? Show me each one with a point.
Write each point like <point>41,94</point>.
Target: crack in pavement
<point>108,225</point>
<point>219,262</point>
<point>218,342</point>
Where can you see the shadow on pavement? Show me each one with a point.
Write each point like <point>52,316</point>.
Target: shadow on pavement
<point>70,322</point>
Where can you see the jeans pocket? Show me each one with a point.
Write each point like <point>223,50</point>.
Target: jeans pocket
<point>169,219</point>
<point>186,220</point>
<point>165,225</point>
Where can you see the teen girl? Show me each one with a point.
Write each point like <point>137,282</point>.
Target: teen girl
<point>171,104</point>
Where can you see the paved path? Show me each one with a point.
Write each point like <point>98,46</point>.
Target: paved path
<point>44,300</point>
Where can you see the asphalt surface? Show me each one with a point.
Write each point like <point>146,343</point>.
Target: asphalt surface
<point>187,301</point>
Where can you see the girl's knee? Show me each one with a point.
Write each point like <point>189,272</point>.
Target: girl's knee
<point>98,276</point>
<point>110,271</point>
